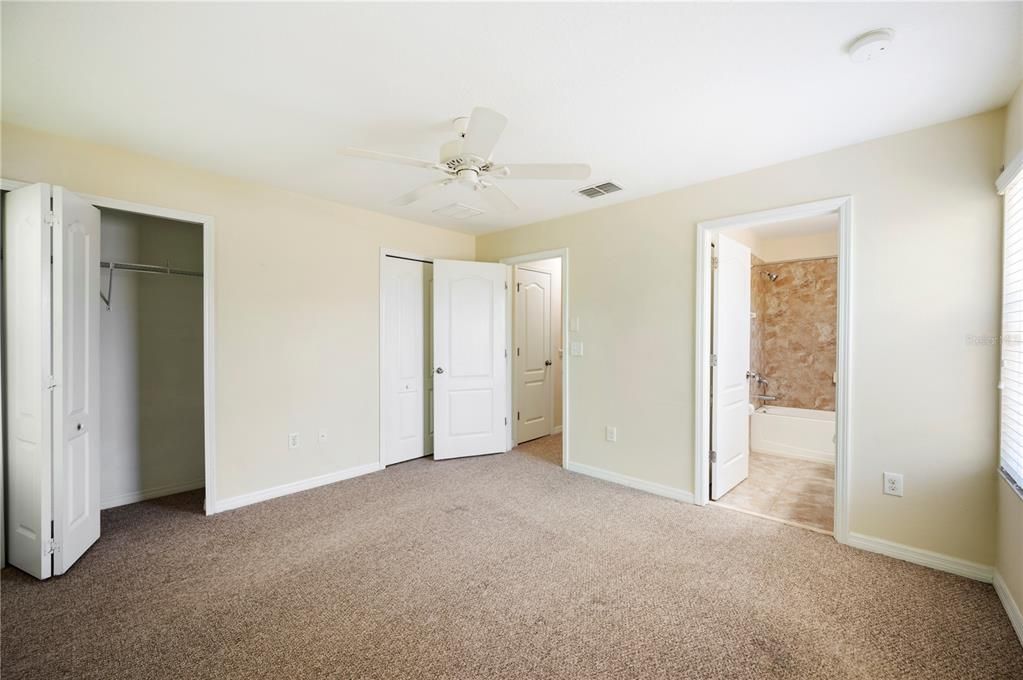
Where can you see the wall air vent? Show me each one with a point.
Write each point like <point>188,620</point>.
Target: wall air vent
<point>459,211</point>
<point>598,190</point>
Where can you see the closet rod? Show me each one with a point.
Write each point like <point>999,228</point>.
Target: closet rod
<point>148,268</point>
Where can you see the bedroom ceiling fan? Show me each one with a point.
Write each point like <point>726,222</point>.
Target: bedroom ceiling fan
<point>466,160</point>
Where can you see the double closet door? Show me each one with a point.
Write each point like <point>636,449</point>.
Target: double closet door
<point>444,366</point>
<point>51,289</point>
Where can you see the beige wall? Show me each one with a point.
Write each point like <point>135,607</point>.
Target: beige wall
<point>1010,506</point>
<point>926,238</point>
<point>297,300</point>
<point>785,248</point>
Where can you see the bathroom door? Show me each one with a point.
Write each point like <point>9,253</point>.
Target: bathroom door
<point>729,432</point>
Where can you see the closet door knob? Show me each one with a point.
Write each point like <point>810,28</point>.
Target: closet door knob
<point>548,362</point>
<point>439,370</point>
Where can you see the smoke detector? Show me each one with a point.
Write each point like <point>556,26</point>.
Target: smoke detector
<point>871,45</point>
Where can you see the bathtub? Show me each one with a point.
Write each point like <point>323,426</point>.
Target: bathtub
<point>794,432</point>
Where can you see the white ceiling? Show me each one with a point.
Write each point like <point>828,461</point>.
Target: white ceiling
<point>653,96</point>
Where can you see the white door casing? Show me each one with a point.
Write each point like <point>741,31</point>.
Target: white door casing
<point>470,369</point>
<point>532,358</point>
<point>76,423</point>
<point>729,383</point>
<point>407,370</point>
<point>28,400</point>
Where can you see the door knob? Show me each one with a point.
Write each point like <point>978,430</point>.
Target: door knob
<point>440,370</point>
<point>547,363</point>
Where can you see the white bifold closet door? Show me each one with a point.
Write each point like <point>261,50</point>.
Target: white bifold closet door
<point>407,425</point>
<point>729,382</point>
<point>53,377</point>
<point>470,358</point>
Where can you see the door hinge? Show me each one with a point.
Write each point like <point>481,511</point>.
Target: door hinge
<point>518,351</point>
<point>506,421</point>
<point>51,382</point>
<point>518,415</point>
<point>518,287</point>
<point>713,359</point>
<point>50,547</point>
<point>714,262</point>
<point>506,353</point>
<point>506,285</point>
<point>51,219</point>
<point>713,456</point>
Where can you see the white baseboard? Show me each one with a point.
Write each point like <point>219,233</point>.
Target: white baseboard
<point>1011,607</point>
<point>556,430</point>
<point>633,482</point>
<point>146,494</point>
<point>939,561</point>
<point>295,487</point>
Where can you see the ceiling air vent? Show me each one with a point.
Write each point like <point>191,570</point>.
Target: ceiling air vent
<point>598,190</point>
<point>459,211</point>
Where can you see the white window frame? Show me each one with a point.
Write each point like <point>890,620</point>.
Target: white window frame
<point>1010,186</point>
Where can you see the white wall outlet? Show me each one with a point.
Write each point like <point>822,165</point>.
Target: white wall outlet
<point>323,436</point>
<point>893,484</point>
<point>293,440</point>
<point>576,349</point>
<point>611,433</point>
<point>573,324</point>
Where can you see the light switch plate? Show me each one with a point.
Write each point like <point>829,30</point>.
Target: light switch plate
<point>610,433</point>
<point>576,349</point>
<point>573,325</point>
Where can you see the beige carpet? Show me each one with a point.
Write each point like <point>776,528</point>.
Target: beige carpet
<point>504,566</point>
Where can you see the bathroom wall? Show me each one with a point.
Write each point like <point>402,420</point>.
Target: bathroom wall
<point>793,333</point>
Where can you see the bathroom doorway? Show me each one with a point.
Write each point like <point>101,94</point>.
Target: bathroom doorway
<point>771,365</point>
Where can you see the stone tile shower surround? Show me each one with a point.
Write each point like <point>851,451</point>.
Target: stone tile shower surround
<point>793,336</point>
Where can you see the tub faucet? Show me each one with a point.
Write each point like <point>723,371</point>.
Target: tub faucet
<point>753,375</point>
<point>765,397</point>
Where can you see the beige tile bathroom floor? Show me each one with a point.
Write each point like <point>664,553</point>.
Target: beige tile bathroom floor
<point>789,489</point>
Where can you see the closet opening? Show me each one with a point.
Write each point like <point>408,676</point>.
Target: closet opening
<point>151,359</point>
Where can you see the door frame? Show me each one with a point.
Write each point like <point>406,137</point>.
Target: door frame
<point>209,364</point>
<point>565,371</point>
<point>705,232</point>
<point>384,253</point>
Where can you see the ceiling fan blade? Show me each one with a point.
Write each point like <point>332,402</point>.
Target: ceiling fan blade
<point>421,192</point>
<point>387,158</point>
<point>543,171</point>
<point>497,199</point>
<point>481,135</point>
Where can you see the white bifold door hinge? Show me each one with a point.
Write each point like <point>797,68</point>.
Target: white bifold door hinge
<point>51,382</point>
<point>50,547</point>
<point>713,359</point>
<point>51,219</point>
<point>714,263</point>
<point>713,456</point>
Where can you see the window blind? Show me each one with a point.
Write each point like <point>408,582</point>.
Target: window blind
<point>1011,383</point>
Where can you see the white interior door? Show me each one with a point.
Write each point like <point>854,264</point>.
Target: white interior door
<point>29,413</point>
<point>532,360</point>
<point>76,422</point>
<point>729,384</point>
<point>407,370</point>
<point>469,360</point>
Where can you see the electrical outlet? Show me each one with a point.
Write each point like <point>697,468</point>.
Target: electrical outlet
<point>893,484</point>
<point>293,440</point>
<point>611,433</point>
<point>323,436</point>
